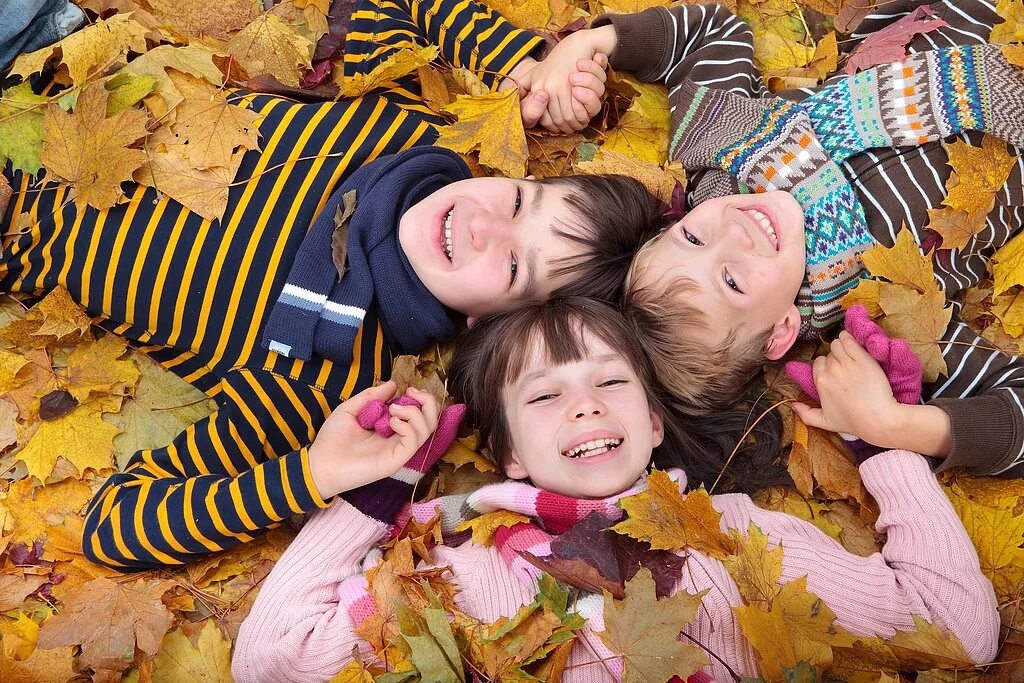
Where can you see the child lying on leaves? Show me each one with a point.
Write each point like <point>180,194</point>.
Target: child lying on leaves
<point>563,394</point>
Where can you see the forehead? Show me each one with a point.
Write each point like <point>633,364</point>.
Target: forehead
<point>538,359</point>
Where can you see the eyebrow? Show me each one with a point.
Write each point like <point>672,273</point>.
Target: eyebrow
<point>536,374</point>
<point>531,273</point>
<point>538,194</point>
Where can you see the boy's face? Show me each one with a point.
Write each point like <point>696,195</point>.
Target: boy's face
<point>745,254</point>
<point>485,245</point>
<point>554,410</point>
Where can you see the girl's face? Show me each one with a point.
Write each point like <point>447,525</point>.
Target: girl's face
<point>485,245</point>
<point>582,429</point>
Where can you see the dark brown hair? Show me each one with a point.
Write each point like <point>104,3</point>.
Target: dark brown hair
<point>493,353</point>
<point>616,215</point>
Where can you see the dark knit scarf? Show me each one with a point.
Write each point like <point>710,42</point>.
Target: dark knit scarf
<point>319,313</point>
<point>770,144</point>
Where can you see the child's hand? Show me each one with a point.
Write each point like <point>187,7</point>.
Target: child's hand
<point>345,456</point>
<point>856,397</point>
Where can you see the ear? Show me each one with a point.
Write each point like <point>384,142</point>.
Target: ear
<point>530,177</point>
<point>784,334</point>
<point>658,429</point>
<point>471,321</point>
<point>513,467</point>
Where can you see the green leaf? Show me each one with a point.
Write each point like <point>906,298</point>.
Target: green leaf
<point>126,89</point>
<point>431,643</point>
<point>21,128</point>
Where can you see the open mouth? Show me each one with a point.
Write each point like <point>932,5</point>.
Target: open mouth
<point>446,234</point>
<point>765,223</point>
<point>591,448</point>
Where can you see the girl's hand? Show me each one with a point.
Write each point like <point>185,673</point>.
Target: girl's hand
<point>345,456</point>
<point>856,397</point>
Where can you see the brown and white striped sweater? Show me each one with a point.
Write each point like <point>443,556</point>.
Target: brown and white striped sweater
<point>706,44</point>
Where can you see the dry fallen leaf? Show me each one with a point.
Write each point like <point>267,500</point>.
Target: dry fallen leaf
<point>208,660</point>
<point>396,66</point>
<point>492,125</point>
<point>268,45</point>
<point>817,460</point>
<point>485,526</point>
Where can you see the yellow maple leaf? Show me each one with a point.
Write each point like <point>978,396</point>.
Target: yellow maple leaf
<point>1009,309</point>
<point>642,131</point>
<point>902,264</point>
<point>1011,30</point>
<point>997,535</point>
<point>11,364</point>
<point>785,499</point>
<point>397,65</point>
<point>799,627</point>
<point>184,19</point>
<point>754,569</point>
<point>19,635</point>
<point>1007,265</point>
<point>204,192</point>
<point>865,294</point>
<point>42,666</point>
<point>632,6</point>
<point>526,14</point>
<point>485,526</point>
<point>657,180</point>
<point>270,46</point>
<point>353,672</point>
<point>194,60</point>
<point>81,437</point>
<point>90,151</point>
<point>98,368</point>
<point>1014,54</point>
<point>27,513</point>
<point>922,320</point>
<point>91,50</point>
<point>957,228</point>
<point>668,521</point>
<point>493,125</point>
<point>464,452</point>
<point>863,662</point>
<point>209,660</point>
<point>928,647</point>
<point>978,173</point>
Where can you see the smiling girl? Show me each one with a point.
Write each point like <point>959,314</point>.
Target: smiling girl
<point>563,394</point>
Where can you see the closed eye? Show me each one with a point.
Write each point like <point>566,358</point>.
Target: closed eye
<point>612,382</point>
<point>542,397</point>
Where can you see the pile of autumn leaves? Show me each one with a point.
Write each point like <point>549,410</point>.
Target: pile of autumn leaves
<point>148,97</point>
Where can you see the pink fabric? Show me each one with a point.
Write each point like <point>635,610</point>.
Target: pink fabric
<point>901,365</point>
<point>301,627</point>
<point>375,415</point>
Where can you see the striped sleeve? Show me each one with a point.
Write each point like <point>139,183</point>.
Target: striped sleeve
<point>221,482</point>
<point>469,35</point>
<point>984,398</point>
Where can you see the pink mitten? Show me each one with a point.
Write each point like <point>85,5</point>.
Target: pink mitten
<point>902,367</point>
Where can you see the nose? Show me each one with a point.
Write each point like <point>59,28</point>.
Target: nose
<point>486,227</point>
<point>586,406</point>
<point>739,232</point>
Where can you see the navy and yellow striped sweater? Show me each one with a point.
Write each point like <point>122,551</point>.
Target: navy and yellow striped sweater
<point>195,294</point>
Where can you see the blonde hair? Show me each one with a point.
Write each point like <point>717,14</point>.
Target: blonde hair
<point>703,374</point>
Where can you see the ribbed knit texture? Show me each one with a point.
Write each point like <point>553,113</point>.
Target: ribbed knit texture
<point>319,312</point>
<point>301,627</point>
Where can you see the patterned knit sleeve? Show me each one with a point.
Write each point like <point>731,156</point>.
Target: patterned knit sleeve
<point>221,482</point>
<point>927,568</point>
<point>302,626</point>
<point>469,35</point>
<point>983,395</point>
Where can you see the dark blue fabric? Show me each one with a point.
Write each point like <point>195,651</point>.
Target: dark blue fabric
<point>303,322</point>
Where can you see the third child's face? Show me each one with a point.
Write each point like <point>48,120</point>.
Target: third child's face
<point>562,418</point>
<point>744,252</point>
<point>485,245</point>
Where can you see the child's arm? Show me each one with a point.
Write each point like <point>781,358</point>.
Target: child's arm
<point>928,566</point>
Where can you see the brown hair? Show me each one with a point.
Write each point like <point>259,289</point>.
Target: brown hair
<point>491,355</point>
<point>616,215</point>
<point>702,374</point>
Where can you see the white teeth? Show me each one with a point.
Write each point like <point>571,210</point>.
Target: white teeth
<point>592,448</point>
<point>448,234</point>
<point>764,221</point>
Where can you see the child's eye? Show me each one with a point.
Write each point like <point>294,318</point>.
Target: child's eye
<point>513,270</point>
<point>542,397</point>
<point>519,201</point>
<point>691,238</point>
<point>730,283</point>
<point>611,382</point>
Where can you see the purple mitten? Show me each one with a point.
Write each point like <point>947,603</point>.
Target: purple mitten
<point>901,365</point>
<point>383,499</point>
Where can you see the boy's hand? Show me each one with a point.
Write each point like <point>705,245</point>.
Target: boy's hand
<point>856,397</point>
<point>345,456</point>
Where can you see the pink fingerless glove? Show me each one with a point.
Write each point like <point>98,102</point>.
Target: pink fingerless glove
<point>383,499</point>
<point>901,365</point>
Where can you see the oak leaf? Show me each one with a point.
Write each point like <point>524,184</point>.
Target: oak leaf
<point>209,660</point>
<point>493,125</point>
<point>398,65</point>
<point>922,320</point>
<point>643,632</point>
<point>269,46</point>
<point>1011,30</point>
<point>485,526</point>
<point>90,151</point>
<point>92,50</point>
<point>668,521</point>
<point>109,620</point>
<point>21,128</point>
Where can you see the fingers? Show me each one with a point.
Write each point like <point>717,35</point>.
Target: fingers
<point>381,392</point>
<point>589,99</point>
<point>602,60</point>
<point>532,107</point>
<point>593,68</point>
<point>853,348</point>
<point>812,417</point>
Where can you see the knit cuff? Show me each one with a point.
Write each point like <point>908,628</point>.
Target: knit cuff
<point>985,435</point>
<point>643,41</point>
<point>382,500</point>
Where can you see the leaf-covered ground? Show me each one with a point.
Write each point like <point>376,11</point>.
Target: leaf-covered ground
<point>147,97</point>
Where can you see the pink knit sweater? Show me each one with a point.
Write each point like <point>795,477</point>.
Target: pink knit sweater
<point>301,625</point>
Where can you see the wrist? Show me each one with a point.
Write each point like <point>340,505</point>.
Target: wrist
<point>924,429</point>
<point>324,472</point>
<point>513,77</point>
<point>604,39</point>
